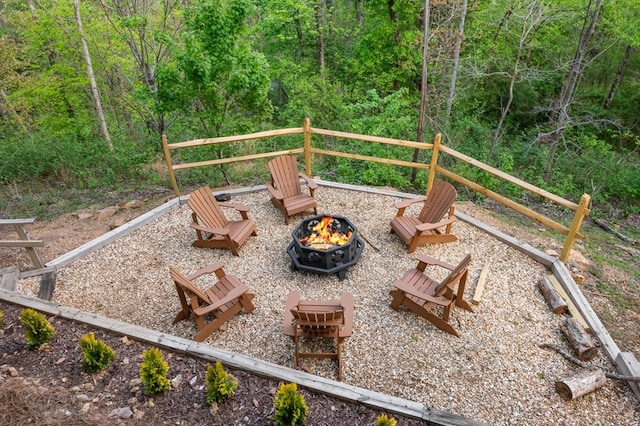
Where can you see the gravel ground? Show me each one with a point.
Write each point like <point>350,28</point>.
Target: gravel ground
<point>495,372</point>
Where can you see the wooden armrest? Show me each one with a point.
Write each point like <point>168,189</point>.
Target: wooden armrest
<point>403,204</point>
<point>428,260</point>
<point>310,182</point>
<point>28,221</point>
<point>409,289</point>
<point>206,270</point>
<point>427,226</point>
<point>217,231</point>
<point>233,294</point>
<point>238,207</point>
<point>274,192</point>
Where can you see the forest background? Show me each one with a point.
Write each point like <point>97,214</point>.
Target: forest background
<point>547,91</point>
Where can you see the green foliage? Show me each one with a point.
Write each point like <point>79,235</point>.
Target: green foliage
<point>219,384</point>
<point>290,407</point>
<point>96,355</point>
<point>1,319</point>
<point>153,372</point>
<point>383,420</point>
<point>38,330</point>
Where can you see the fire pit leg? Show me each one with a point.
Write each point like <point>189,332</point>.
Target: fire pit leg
<point>342,274</point>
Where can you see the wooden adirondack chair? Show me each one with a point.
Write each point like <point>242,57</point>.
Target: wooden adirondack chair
<point>314,318</point>
<point>425,228</point>
<point>285,189</point>
<point>223,300</point>
<point>418,292</point>
<point>211,225</point>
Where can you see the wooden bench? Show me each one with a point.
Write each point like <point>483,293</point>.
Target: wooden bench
<point>24,240</point>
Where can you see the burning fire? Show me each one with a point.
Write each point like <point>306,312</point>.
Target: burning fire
<point>324,236</point>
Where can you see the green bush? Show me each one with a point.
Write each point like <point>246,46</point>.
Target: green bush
<point>96,355</point>
<point>38,330</point>
<point>290,407</point>
<point>153,372</point>
<point>383,420</point>
<point>219,384</point>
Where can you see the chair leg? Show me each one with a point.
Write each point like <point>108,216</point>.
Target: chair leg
<point>296,348</point>
<point>398,297</point>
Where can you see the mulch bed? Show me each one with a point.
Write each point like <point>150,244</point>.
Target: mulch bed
<point>48,386</point>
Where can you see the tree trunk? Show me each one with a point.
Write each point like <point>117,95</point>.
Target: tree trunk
<point>560,115</point>
<point>616,82</point>
<point>92,79</point>
<point>529,21</point>
<point>320,9</point>
<point>456,61</point>
<point>423,87</point>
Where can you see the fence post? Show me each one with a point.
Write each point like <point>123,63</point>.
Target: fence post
<point>307,145</point>
<point>167,157</point>
<point>434,161</point>
<point>575,226</point>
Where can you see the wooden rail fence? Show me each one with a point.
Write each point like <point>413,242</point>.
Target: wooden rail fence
<point>572,232</point>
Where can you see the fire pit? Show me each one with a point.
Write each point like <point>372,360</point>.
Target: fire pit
<point>325,244</point>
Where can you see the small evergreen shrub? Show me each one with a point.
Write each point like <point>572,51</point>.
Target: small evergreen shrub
<point>153,372</point>
<point>38,330</point>
<point>383,420</point>
<point>290,407</point>
<point>1,319</point>
<point>96,355</point>
<point>219,384</point>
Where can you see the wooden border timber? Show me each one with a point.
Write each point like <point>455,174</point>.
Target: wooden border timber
<point>114,234</point>
<point>340,390</point>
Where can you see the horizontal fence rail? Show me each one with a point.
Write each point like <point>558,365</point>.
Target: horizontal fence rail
<point>581,209</point>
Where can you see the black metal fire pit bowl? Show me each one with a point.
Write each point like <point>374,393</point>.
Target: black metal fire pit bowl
<point>334,260</point>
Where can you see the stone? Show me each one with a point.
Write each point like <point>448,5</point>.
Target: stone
<point>121,413</point>
<point>578,278</point>
<point>133,204</point>
<point>105,213</point>
<point>578,261</point>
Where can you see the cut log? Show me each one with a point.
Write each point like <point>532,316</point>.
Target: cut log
<point>572,308</point>
<point>579,339</point>
<point>477,295</point>
<point>580,384</point>
<point>554,300</point>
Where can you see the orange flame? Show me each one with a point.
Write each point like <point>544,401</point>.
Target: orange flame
<point>325,237</point>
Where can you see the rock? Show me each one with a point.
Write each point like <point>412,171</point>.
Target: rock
<point>105,213</point>
<point>133,204</point>
<point>121,413</point>
<point>578,278</point>
<point>84,215</point>
<point>13,372</point>
<point>176,381</point>
<point>578,261</point>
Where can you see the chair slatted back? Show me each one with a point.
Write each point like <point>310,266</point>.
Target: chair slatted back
<point>454,274</point>
<point>187,287</point>
<point>285,175</point>
<point>318,322</point>
<point>205,206</point>
<point>439,199</point>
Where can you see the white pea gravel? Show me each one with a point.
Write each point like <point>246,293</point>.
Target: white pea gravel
<point>495,372</point>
